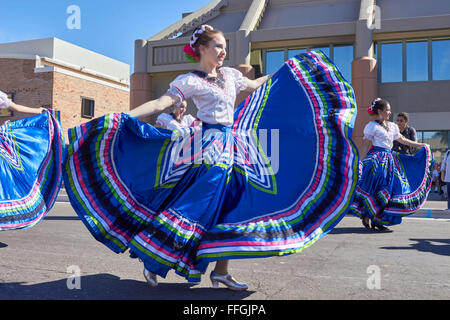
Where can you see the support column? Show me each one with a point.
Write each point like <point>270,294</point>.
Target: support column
<point>140,89</point>
<point>364,83</point>
<point>364,69</point>
<point>141,80</point>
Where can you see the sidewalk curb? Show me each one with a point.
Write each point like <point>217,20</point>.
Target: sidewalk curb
<point>432,213</point>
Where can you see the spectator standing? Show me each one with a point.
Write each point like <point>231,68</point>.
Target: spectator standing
<point>406,131</point>
<point>435,175</point>
<point>445,174</point>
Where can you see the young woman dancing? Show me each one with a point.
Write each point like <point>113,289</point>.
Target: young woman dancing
<point>249,183</point>
<point>392,185</point>
<point>30,166</point>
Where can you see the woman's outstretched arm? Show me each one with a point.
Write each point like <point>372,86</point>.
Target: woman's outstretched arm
<point>255,84</point>
<point>151,107</point>
<point>24,109</point>
<point>410,143</point>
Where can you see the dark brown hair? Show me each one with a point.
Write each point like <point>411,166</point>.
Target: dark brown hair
<point>404,115</point>
<point>379,104</point>
<point>205,38</point>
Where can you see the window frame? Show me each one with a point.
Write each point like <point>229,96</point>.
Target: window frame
<point>405,54</point>
<point>430,55</point>
<point>379,55</point>
<point>428,40</point>
<point>87,115</point>
<point>307,48</point>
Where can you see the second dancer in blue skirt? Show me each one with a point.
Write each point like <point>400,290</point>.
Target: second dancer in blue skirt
<point>392,185</point>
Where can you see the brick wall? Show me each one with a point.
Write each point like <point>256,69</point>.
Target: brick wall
<point>59,91</point>
<point>68,92</point>
<point>30,89</point>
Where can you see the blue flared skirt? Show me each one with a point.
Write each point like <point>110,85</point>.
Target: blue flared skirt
<point>392,185</point>
<point>281,177</point>
<point>31,154</point>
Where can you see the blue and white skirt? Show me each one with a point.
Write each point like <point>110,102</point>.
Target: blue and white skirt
<point>31,153</point>
<point>392,185</point>
<point>281,177</point>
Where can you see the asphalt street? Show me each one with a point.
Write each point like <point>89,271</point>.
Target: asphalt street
<point>59,259</point>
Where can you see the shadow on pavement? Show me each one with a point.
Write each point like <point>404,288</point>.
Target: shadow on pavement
<point>110,287</point>
<point>436,246</point>
<point>347,230</point>
<point>61,218</point>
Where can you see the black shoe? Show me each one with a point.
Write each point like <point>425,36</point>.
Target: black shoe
<point>365,222</point>
<point>379,227</point>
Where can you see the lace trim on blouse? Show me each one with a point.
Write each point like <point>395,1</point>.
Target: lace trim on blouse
<point>218,81</point>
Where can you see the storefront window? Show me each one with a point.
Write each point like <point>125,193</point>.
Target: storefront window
<point>325,50</point>
<point>391,62</point>
<point>274,61</point>
<point>417,61</point>
<point>441,59</point>
<point>343,57</point>
<point>295,52</point>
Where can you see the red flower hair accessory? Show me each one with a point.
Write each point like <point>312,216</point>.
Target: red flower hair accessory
<point>190,54</point>
<point>188,50</point>
<point>370,109</point>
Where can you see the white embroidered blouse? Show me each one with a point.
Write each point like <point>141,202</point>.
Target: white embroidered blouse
<point>214,99</point>
<point>381,137</point>
<point>166,121</point>
<point>4,101</point>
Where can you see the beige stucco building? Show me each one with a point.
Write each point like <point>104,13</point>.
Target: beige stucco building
<point>398,50</point>
<point>53,73</point>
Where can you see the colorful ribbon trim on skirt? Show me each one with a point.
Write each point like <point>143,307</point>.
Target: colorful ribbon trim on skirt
<point>385,192</point>
<point>182,214</point>
<point>32,207</point>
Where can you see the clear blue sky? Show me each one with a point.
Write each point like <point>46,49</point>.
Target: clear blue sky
<point>108,27</point>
